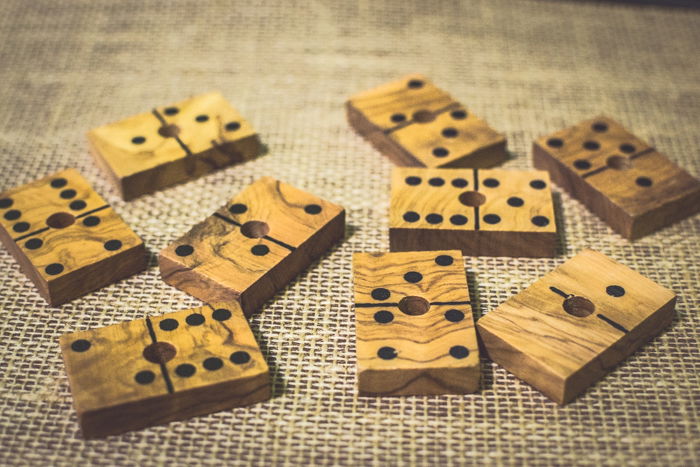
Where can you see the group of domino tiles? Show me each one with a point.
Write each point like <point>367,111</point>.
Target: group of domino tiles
<point>415,330</point>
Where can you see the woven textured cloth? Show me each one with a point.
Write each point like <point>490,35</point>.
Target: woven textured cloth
<point>528,68</point>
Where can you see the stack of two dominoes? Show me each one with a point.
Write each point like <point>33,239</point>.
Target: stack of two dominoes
<point>415,329</point>
<point>69,241</point>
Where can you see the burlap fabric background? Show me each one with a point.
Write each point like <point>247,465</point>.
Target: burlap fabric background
<point>527,67</point>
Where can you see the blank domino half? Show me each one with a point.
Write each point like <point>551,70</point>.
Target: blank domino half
<point>624,181</point>
<point>491,212</point>
<point>156,370</point>
<point>415,329</point>
<point>253,246</point>
<point>66,238</point>
<point>415,123</point>
<point>568,329</point>
<point>172,144</point>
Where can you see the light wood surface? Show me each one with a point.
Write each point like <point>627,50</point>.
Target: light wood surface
<point>171,367</point>
<point>568,329</point>
<point>253,246</point>
<point>490,212</point>
<point>415,123</point>
<point>172,144</point>
<point>624,181</point>
<point>66,238</point>
<point>402,352</point>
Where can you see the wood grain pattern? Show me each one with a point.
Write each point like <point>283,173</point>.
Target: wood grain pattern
<point>171,367</point>
<point>66,238</point>
<point>253,246</point>
<point>624,181</point>
<point>414,324</point>
<point>415,123</point>
<point>490,212</point>
<point>568,329</point>
<point>172,144</point>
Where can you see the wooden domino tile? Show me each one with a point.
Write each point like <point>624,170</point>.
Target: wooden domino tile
<point>253,246</point>
<point>415,123</point>
<point>171,367</point>
<point>172,144</point>
<point>491,212</point>
<point>623,180</point>
<point>66,238</point>
<point>568,329</point>
<point>415,329</point>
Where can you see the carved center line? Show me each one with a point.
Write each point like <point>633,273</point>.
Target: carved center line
<point>177,138</point>
<point>227,219</point>
<point>643,153</point>
<point>87,213</point>
<point>612,323</point>
<point>266,237</point>
<point>476,208</point>
<point>559,292</point>
<point>371,305</point>
<point>391,304</point>
<point>163,368</point>
<point>30,234</point>
<point>44,229</point>
<point>605,167</point>
<point>413,122</point>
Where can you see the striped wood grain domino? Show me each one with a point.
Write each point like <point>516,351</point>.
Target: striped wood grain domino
<point>568,329</point>
<point>415,330</point>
